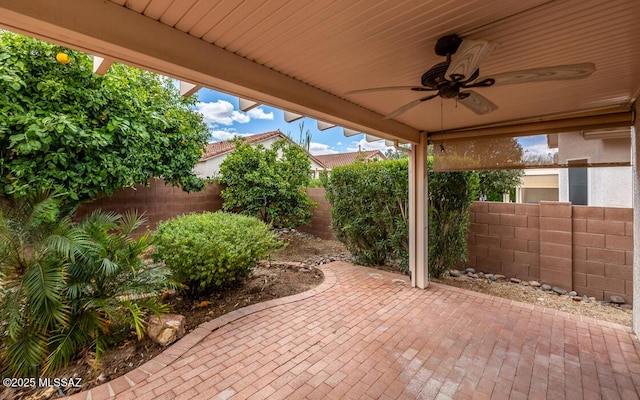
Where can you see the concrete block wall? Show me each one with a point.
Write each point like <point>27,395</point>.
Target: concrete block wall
<point>504,239</point>
<point>320,224</point>
<point>587,249</point>
<point>603,251</point>
<point>160,202</point>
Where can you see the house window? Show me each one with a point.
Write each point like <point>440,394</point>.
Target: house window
<point>578,184</point>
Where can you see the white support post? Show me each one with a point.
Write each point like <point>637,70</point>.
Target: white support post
<point>635,165</point>
<point>418,225</point>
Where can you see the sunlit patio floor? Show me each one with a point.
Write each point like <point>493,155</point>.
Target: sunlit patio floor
<point>365,334</point>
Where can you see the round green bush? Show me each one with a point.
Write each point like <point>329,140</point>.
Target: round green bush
<point>210,250</point>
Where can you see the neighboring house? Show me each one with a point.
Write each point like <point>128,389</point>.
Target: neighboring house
<point>215,153</point>
<point>331,161</point>
<point>594,186</point>
<point>538,185</point>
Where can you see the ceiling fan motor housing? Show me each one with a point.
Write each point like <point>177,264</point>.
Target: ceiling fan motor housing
<point>448,45</point>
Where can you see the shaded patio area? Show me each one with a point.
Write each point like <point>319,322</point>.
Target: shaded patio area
<point>365,334</point>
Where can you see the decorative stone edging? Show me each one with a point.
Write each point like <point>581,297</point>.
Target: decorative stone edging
<point>132,378</point>
<point>533,307</point>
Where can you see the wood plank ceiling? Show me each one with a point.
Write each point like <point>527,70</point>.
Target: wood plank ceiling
<point>340,45</point>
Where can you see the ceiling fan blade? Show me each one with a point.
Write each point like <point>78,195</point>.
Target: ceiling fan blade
<point>382,89</point>
<point>468,58</point>
<point>409,106</point>
<point>476,102</point>
<point>559,72</point>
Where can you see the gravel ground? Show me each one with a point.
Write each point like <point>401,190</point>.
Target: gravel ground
<point>528,294</point>
<point>313,251</point>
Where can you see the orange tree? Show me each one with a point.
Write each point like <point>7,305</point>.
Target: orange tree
<point>66,129</point>
<point>268,183</point>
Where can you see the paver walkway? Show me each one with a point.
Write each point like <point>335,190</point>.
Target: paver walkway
<point>359,335</point>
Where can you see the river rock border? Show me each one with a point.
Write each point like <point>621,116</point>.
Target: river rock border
<point>470,275</point>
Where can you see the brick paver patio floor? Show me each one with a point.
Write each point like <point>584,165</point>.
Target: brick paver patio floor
<point>360,335</point>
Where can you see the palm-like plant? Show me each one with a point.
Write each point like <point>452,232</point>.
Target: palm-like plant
<point>109,287</point>
<point>67,287</point>
<point>38,241</point>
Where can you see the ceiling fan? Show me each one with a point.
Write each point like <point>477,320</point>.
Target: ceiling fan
<point>452,78</point>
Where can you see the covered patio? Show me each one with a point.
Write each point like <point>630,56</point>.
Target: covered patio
<point>308,58</point>
<point>364,334</point>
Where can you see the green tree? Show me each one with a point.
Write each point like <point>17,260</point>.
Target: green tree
<point>268,183</point>
<point>494,183</point>
<point>67,129</point>
<point>394,154</point>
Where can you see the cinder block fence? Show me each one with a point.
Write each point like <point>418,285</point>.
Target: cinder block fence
<point>159,201</point>
<point>587,249</point>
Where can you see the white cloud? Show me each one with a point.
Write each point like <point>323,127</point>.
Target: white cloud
<point>540,149</point>
<point>258,113</point>
<point>339,144</point>
<point>219,135</point>
<point>316,149</point>
<point>363,145</point>
<point>221,112</point>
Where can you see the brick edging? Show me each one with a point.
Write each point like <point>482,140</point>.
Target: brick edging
<point>172,353</point>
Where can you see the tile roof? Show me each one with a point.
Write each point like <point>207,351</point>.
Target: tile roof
<point>335,160</point>
<point>217,148</point>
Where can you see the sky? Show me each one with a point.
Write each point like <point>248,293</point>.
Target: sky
<point>225,121</point>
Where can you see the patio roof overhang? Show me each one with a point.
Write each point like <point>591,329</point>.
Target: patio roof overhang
<point>304,56</point>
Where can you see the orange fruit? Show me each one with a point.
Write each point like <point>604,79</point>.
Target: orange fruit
<point>63,58</point>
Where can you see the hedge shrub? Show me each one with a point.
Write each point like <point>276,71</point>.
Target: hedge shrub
<point>210,250</point>
<point>370,213</point>
<point>450,196</point>
<point>369,205</point>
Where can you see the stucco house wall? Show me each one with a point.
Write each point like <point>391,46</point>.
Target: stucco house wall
<point>607,186</point>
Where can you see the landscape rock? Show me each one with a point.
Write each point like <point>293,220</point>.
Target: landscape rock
<point>535,284</point>
<point>491,277</point>
<point>470,270</point>
<point>626,306</point>
<point>572,293</point>
<point>546,287</point>
<point>615,299</point>
<point>515,280</point>
<point>559,290</point>
<point>498,276</point>
<point>577,298</point>
<point>524,283</point>
<point>475,276</point>
<point>167,329</point>
<point>454,273</point>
